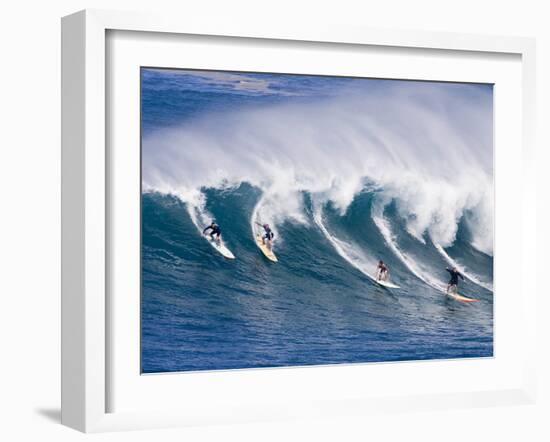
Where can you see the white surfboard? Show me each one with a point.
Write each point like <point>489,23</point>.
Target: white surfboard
<point>220,247</point>
<point>387,284</point>
<point>265,250</point>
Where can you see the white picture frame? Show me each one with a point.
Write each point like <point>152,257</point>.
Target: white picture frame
<point>87,206</point>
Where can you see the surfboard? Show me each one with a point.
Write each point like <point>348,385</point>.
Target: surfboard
<point>461,298</point>
<point>221,248</point>
<point>387,284</point>
<point>265,250</point>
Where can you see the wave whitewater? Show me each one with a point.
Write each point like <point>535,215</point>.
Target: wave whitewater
<point>361,236</point>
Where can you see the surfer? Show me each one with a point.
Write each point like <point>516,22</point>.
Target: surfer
<point>214,230</point>
<point>453,282</point>
<point>382,271</point>
<point>268,236</point>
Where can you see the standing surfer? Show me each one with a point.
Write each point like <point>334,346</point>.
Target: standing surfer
<point>382,271</point>
<point>214,230</point>
<point>453,282</point>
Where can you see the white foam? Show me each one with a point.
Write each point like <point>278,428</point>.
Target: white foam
<point>195,204</point>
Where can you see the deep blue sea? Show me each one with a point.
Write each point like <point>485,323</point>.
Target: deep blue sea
<point>318,304</point>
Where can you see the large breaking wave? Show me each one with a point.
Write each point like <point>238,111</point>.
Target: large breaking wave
<point>421,156</point>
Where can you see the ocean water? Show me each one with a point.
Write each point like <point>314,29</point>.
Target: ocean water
<point>347,172</point>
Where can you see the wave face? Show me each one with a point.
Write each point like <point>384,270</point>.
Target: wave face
<point>346,172</point>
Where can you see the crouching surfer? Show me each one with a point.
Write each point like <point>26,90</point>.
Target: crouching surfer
<point>453,282</point>
<point>382,271</point>
<point>267,238</point>
<point>215,231</point>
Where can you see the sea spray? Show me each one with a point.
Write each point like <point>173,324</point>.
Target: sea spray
<point>424,146</point>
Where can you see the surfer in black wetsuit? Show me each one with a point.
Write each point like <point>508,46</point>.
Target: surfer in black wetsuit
<point>268,235</point>
<point>214,230</point>
<point>382,271</point>
<point>453,282</point>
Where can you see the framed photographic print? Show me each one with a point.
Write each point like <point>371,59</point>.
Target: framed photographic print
<point>264,223</point>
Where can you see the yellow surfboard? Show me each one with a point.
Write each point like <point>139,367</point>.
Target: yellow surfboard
<point>461,298</point>
<point>265,250</point>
